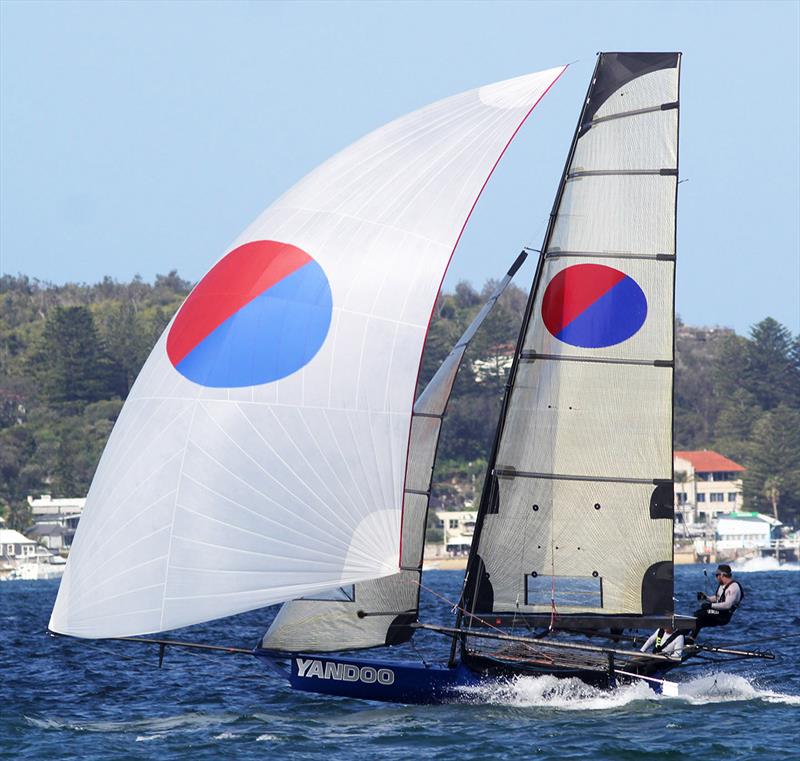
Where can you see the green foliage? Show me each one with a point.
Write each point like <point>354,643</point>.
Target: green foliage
<point>69,355</point>
<point>741,397</point>
<point>772,481</point>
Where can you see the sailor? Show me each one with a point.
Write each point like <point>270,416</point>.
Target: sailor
<point>718,609</point>
<point>665,641</point>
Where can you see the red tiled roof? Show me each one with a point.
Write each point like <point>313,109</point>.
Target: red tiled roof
<point>708,461</point>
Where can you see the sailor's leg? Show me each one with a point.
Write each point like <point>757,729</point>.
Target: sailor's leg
<point>707,617</point>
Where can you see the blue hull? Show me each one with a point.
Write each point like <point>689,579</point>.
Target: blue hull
<point>390,681</point>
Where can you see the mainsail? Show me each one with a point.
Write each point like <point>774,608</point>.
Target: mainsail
<point>576,516</point>
<point>379,611</point>
<point>262,451</point>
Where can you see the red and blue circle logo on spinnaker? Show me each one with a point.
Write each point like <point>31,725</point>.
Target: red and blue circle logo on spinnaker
<point>260,314</point>
<point>592,306</point>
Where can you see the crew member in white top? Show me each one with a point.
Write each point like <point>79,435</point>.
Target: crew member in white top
<point>665,641</point>
<point>718,609</point>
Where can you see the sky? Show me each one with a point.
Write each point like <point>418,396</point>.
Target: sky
<point>138,138</point>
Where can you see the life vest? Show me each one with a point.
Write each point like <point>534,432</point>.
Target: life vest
<point>721,597</point>
<point>661,642</point>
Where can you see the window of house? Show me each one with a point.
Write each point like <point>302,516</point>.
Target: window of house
<point>717,496</point>
<point>701,497</point>
<point>681,497</point>
<point>703,475</point>
<point>453,523</point>
<point>28,549</point>
<point>10,549</point>
<point>731,496</point>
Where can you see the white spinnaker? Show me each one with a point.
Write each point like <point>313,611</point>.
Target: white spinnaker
<point>213,501</point>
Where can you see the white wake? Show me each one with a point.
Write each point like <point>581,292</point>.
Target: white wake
<point>764,564</point>
<point>575,695</point>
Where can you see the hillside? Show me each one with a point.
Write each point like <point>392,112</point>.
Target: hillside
<point>69,355</point>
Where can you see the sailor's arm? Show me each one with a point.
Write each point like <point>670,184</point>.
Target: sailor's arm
<point>651,641</point>
<point>675,648</point>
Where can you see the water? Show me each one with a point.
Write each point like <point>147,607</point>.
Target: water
<point>66,699</point>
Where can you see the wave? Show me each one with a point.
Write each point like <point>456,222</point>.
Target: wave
<point>575,695</point>
<point>731,687</point>
<point>146,729</point>
<point>754,565</point>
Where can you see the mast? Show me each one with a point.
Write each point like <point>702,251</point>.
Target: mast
<point>621,146</point>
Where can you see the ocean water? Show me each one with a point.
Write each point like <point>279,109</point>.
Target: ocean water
<point>69,699</point>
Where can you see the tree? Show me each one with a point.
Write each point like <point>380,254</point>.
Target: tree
<point>72,363</point>
<point>128,343</point>
<point>774,465</point>
<point>772,491</point>
<point>18,516</point>
<point>773,374</point>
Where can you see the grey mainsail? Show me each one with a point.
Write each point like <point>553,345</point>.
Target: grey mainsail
<point>576,516</point>
<point>380,611</point>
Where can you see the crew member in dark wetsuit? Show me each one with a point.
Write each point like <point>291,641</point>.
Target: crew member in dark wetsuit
<point>718,609</point>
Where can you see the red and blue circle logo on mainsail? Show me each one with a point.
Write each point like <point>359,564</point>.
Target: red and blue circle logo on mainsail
<point>592,306</point>
<point>260,314</point>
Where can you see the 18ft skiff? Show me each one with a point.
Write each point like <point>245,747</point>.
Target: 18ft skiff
<point>271,450</point>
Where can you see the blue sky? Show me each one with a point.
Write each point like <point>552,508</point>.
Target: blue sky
<point>143,137</point>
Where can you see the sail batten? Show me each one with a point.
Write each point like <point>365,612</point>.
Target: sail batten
<point>267,434</point>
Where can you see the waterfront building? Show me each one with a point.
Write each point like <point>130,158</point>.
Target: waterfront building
<point>457,528</point>
<point>747,531</point>
<point>707,485</point>
<point>15,546</point>
<point>55,520</point>
<point>45,509</point>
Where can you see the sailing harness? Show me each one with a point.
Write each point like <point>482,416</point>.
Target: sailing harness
<point>721,597</point>
<point>661,643</point>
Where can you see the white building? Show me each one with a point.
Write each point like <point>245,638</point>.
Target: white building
<point>707,485</point>
<point>45,509</point>
<point>746,531</point>
<point>457,528</point>
<point>55,520</point>
<point>15,546</point>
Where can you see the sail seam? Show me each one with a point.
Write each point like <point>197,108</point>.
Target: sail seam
<point>179,479</point>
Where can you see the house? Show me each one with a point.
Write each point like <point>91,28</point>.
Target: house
<point>45,509</point>
<point>496,365</point>
<point>55,520</point>
<point>457,528</point>
<point>707,485</point>
<point>747,531</point>
<point>53,536</point>
<point>15,547</point>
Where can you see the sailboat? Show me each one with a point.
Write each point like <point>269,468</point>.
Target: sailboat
<point>272,449</point>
